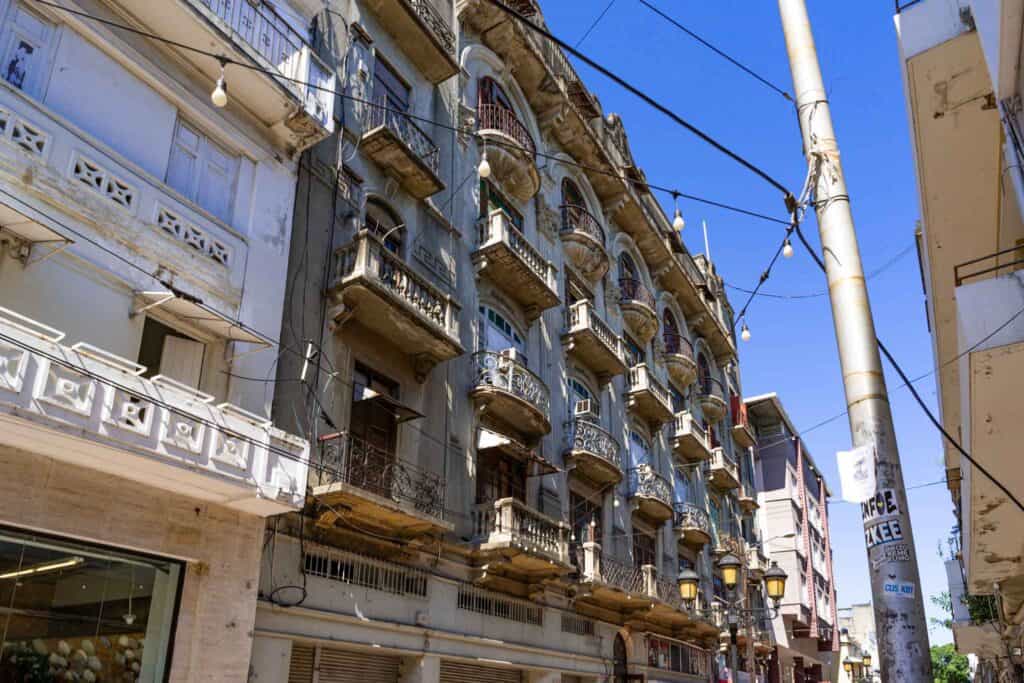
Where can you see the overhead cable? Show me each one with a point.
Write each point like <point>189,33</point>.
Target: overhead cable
<point>717,51</point>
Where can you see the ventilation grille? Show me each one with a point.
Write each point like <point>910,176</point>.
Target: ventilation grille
<point>578,625</point>
<point>493,605</point>
<point>368,572</point>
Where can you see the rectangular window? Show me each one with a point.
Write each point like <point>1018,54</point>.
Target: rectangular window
<point>390,87</point>
<point>67,607</point>
<point>165,351</point>
<point>27,39</point>
<point>202,171</point>
<point>499,477</point>
<point>643,549</point>
<point>635,354</point>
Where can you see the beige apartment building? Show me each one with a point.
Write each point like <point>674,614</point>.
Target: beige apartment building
<point>961,67</point>
<point>143,250</point>
<point>521,389</point>
<point>794,515</point>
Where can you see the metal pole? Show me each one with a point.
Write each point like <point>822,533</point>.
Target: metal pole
<point>895,584</point>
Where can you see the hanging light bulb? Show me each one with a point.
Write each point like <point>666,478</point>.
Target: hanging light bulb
<point>678,223</point>
<point>787,249</point>
<point>745,333</point>
<point>219,96</point>
<point>484,169</point>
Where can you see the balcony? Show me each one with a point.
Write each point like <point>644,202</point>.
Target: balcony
<point>396,144</point>
<point>746,496</point>
<point>689,440</point>
<point>251,32</point>
<point>513,538</point>
<point>742,432</point>
<point>511,150</point>
<point>424,35</point>
<point>509,393</point>
<point>638,309</point>
<point>593,453</point>
<point>378,490</point>
<point>723,472</point>
<point>677,356</point>
<point>82,406</point>
<point>583,239</point>
<point>692,525</point>
<point>647,397</point>
<point>134,214</point>
<point>757,563</point>
<point>650,494</point>
<point>376,287</point>
<point>504,255</point>
<point>589,340</point>
<point>711,397</point>
<point>634,592</point>
<point>729,542</point>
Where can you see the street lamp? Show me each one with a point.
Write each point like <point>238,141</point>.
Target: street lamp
<point>867,660</point>
<point>775,583</point>
<point>689,583</point>
<point>847,665</point>
<point>730,566</point>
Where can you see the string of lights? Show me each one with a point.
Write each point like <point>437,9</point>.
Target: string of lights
<point>716,50</point>
<point>643,96</point>
<point>219,99</point>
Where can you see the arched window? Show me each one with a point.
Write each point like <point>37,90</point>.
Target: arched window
<point>497,334</point>
<point>670,332</point>
<point>704,373</point>
<point>492,93</point>
<point>620,662</point>
<point>383,222</point>
<point>580,393</point>
<point>627,268</point>
<point>571,194</point>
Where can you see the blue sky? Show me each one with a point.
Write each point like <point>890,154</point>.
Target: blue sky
<point>793,348</point>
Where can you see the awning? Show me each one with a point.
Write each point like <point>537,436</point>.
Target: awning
<point>401,412</point>
<point>28,233</point>
<point>191,310</point>
<point>537,464</point>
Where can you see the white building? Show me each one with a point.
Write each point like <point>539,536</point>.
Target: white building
<point>144,241</point>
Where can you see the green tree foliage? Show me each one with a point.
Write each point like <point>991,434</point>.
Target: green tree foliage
<point>948,666</point>
<point>943,601</point>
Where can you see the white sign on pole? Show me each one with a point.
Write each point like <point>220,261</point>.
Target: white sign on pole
<point>857,473</point>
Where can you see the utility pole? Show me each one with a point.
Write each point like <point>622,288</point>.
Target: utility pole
<point>895,583</point>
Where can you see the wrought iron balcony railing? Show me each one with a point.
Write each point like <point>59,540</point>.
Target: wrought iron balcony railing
<point>646,483</point>
<point>494,117</point>
<point>586,436</point>
<point>692,516</point>
<point>578,219</point>
<point>508,374</point>
<point>676,343</point>
<point>623,575</point>
<point>379,113</point>
<point>348,459</point>
<point>634,291</point>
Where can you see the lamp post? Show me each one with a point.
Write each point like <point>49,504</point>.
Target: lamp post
<point>730,565</point>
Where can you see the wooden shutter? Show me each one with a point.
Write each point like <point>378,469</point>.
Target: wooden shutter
<point>182,360</point>
<point>301,668</point>
<point>182,166</point>
<point>457,672</point>
<point>349,666</point>
<point>217,182</point>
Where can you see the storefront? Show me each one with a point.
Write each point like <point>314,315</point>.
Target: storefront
<point>73,611</point>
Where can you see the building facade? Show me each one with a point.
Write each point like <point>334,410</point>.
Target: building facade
<point>857,628</point>
<point>521,389</point>
<point>961,69</point>
<point>794,505</point>
<point>144,240</point>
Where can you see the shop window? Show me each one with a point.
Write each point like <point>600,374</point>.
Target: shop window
<point>67,608</point>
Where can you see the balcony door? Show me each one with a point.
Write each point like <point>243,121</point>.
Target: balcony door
<point>373,430</point>
<point>498,335</point>
<point>498,477</point>
<point>644,548</point>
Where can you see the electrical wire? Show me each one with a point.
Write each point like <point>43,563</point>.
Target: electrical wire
<point>594,24</point>
<point>420,119</point>
<point>647,99</point>
<point>716,50</point>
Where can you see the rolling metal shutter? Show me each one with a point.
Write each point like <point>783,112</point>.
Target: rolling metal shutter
<point>301,668</point>
<point>457,672</point>
<point>341,666</point>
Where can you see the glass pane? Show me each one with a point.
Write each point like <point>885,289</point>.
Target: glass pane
<point>75,612</point>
